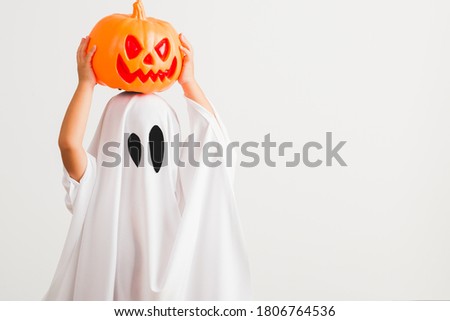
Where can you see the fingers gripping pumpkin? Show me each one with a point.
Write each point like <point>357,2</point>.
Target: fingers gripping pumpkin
<point>136,53</point>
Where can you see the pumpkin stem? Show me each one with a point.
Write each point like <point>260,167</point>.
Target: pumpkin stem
<point>138,10</point>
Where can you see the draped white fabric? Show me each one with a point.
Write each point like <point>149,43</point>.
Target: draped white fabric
<point>139,234</point>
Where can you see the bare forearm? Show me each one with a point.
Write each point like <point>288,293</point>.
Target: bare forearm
<point>75,120</point>
<point>193,91</point>
<point>72,131</point>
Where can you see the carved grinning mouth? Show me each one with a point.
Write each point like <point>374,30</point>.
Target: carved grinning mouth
<point>129,76</point>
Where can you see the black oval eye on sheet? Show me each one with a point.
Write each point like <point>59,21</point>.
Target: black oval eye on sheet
<point>156,142</point>
<point>135,148</point>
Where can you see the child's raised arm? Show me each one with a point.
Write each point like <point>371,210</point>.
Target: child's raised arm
<point>187,80</point>
<point>74,123</point>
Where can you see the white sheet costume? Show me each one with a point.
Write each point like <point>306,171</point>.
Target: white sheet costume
<point>142,234</point>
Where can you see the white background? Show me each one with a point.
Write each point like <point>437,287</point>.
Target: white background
<point>375,73</point>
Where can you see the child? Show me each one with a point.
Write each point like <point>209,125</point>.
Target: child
<point>155,228</point>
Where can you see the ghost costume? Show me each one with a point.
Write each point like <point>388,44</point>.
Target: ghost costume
<point>143,229</point>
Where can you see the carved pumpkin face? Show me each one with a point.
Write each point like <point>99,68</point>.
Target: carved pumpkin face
<point>136,53</point>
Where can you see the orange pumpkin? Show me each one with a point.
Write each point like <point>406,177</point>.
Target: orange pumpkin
<point>136,53</point>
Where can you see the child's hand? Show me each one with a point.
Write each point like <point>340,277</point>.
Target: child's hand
<point>84,60</point>
<point>187,73</point>
<point>187,81</point>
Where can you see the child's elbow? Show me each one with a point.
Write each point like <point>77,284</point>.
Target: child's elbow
<point>65,144</point>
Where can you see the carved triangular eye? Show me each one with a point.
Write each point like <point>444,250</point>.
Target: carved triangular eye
<point>135,148</point>
<point>132,47</point>
<point>156,142</point>
<point>163,49</point>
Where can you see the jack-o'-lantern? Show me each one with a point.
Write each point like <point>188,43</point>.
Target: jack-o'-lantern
<point>136,53</point>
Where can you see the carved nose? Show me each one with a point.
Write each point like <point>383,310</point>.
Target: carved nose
<point>148,60</point>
